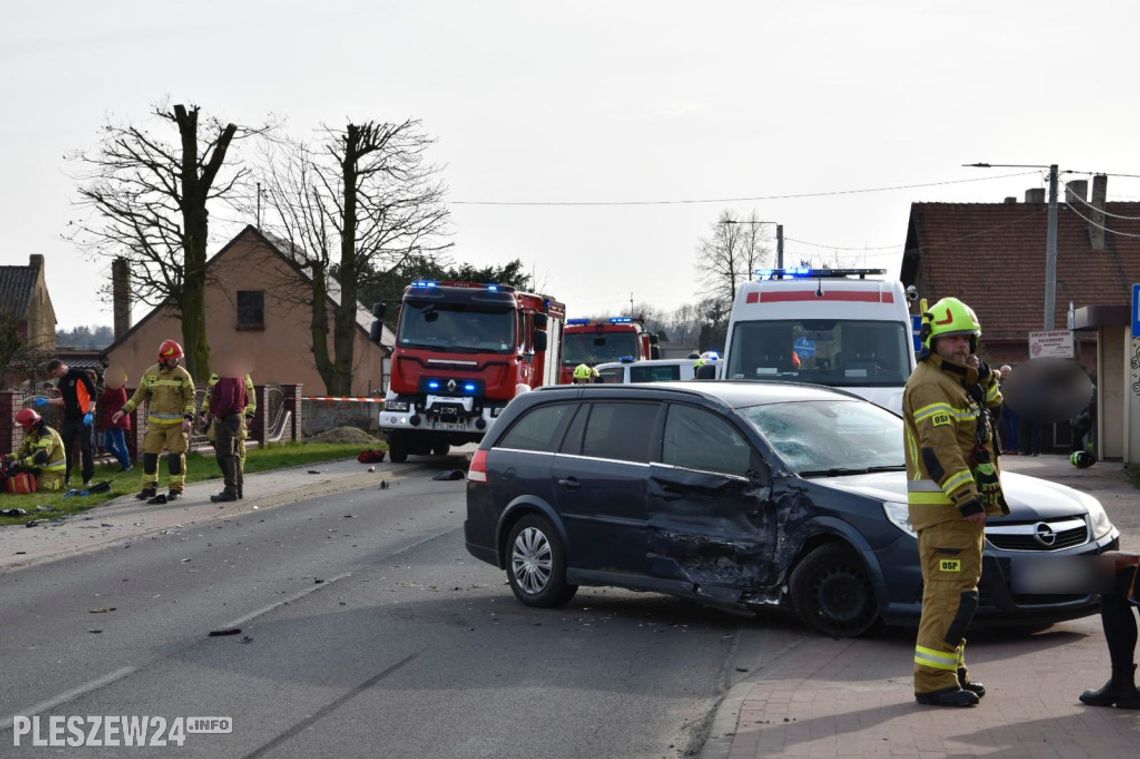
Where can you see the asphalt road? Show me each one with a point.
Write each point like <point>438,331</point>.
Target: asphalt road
<point>366,630</point>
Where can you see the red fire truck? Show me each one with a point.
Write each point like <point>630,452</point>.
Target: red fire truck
<point>597,341</point>
<point>463,351</point>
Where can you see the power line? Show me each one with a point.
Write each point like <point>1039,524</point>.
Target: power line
<point>1101,210</point>
<point>695,201</point>
<point>1101,226</point>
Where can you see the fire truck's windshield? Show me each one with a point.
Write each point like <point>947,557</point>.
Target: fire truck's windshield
<point>597,347</point>
<point>834,352</point>
<point>457,327</point>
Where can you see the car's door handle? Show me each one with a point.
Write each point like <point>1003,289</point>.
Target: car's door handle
<point>570,483</point>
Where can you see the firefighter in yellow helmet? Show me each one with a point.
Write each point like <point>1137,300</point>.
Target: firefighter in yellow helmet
<point>169,391</point>
<point>584,374</point>
<point>950,407</point>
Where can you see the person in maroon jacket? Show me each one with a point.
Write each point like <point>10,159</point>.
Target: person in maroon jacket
<point>112,399</point>
<point>227,404</point>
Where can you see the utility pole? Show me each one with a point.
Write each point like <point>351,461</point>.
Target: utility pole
<point>779,246</point>
<point>1050,320</point>
<point>1051,254</point>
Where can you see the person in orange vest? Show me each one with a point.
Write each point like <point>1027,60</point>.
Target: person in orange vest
<point>77,399</point>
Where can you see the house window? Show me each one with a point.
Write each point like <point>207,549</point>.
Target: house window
<point>251,309</point>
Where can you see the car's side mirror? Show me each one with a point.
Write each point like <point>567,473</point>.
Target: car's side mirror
<point>539,340</point>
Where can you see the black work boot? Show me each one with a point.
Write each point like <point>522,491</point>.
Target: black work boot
<point>173,495</point>
<point>227,495</point>
<point>977,689</point>
<point>1120,691</point>
<point>147,494</point>
<point>953,696</point>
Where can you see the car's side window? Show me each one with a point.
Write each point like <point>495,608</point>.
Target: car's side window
<point>572,442</point>
<point>698,439</point>
<point>612,376</point>
<point>622,431</point>
<point>538,429</point>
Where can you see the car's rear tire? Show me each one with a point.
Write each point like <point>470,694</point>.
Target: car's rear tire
<point>832,593</point>
<point>397,447</point>
<point>536,563</point>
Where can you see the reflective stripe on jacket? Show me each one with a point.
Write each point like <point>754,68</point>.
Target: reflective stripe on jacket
<point>170,395</point>
<point>941,427</point>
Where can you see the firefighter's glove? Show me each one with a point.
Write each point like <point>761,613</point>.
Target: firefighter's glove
<point>39,401</point>
<point>40,457</point>
<point>989,486</point>
<point>984,371</point>
<point>88,419</point>
<point>971,507</point>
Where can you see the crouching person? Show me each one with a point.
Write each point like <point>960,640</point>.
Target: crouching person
<point>228,400</point>
<point>42,451</point>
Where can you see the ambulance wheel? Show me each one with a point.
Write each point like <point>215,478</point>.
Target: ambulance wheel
<point>832,593</point>
<point>397,448</point>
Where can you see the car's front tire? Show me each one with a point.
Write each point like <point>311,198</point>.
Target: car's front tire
<point>536,563</point>
<point>832,593</point>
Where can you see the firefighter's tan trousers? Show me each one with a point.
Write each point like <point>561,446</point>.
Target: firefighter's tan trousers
<point>173,440</point>
<point>951,556</point>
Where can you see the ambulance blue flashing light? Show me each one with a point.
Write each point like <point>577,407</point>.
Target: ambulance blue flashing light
<point>424,283</point>
<point>626,359</point>
<point>806,272</point>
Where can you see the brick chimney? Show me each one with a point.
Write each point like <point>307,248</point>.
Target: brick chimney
<point>121,295</point>
<point>1077,191</point>
<point>1035,195</point>
<point>1010,201</point>
<point>1096,228</point>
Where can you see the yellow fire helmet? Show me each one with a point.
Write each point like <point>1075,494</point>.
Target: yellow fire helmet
<point>950,316</point>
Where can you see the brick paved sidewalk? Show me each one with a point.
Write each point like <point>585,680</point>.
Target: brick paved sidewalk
<point>855,698</point>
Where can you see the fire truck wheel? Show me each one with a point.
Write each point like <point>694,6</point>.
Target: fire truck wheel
<point>397,448</point>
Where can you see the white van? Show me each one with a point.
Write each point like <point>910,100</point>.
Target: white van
<point>837,327</point>
<point>656,370</point>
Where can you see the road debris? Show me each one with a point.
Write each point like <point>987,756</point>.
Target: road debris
<point>224,631</point>
<point>104,610</point>
<point>449,474</point>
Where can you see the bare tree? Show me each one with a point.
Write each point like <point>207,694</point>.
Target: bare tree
<point>354,206</point>
<point>754,250</point>
<point>721,261</point>
<point>147,202</point>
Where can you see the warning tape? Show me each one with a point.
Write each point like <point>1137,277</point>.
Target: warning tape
<point>334,398</point>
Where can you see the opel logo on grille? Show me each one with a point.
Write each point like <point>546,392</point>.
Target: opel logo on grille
<point>1044,534</point>
<point>451,386</point>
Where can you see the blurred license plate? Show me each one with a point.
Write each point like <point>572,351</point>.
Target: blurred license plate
<point>450,426</point>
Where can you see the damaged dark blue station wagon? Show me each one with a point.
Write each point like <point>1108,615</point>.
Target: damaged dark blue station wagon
<point>744,493</point>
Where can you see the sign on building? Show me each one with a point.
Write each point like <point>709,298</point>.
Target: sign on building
<point>1056,343</point>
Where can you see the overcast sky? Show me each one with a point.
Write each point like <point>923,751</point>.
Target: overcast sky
<point>595,101</point>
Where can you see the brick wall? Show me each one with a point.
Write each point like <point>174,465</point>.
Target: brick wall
<point>296,408</point>
<point>10,434</point>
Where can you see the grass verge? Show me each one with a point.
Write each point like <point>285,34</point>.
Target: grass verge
<point>199,466</point>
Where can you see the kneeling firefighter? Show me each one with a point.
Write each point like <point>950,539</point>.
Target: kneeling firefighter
<point>950,406</point>
<point>42,451</point>
<point>169,389</point>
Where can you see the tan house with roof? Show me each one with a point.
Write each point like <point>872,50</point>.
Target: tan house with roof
<point>257,306</point>
<point>26,314</point>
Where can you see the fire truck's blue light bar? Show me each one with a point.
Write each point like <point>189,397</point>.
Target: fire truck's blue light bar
<point>424,283</point>
<point>576,322</point>
<point>621,320</point>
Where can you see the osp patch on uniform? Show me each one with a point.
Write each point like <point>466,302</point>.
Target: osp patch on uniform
<point>949,565</point>
<point>940,420</point>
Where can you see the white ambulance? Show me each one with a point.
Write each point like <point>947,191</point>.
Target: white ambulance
<point>841,327</point>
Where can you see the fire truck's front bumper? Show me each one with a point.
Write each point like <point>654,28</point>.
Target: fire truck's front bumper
<point>439,413</point>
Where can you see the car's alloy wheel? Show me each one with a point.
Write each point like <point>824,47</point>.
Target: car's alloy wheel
<point>531,560</point>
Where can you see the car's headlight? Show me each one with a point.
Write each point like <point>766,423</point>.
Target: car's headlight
<point>899,516</point>
<point>395,405</point>
<point>1101,525</point>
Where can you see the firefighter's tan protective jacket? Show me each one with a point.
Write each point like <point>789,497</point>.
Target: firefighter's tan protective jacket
<point>941,421</point>
<point>171,396</point>
<point>45,440</point>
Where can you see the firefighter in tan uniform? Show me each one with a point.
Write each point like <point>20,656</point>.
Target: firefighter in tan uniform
<point>949,408</point>
<point>170,391</point>
<point>41,453</point>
